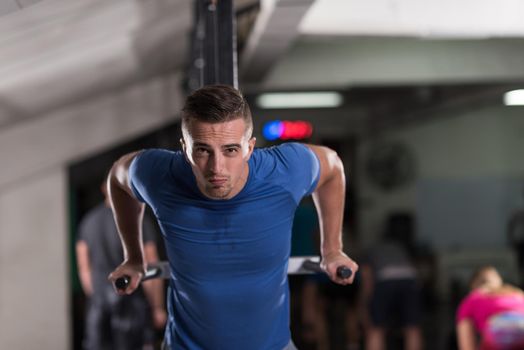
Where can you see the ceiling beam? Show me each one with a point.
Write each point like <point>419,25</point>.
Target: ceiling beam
<point>275,29</point>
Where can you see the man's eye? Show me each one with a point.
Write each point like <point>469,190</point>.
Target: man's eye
<point>201,151</point>
<point>231,151</point>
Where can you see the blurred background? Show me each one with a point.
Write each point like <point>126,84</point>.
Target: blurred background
<point>413,95</point>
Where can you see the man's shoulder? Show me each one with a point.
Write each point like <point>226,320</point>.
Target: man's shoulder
<point>154,159</point>
<point>282,152</point>
<point>286,155</point>
<point>159,154</point>
<point>283,162</point>
<point>153,171</point>
<point>283,147</point>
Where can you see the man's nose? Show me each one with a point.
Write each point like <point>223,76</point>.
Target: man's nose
<point>216,162</point>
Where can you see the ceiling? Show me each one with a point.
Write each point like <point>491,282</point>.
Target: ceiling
<point>416,18</point>
<point>58,52</point>
<point>396,62</point>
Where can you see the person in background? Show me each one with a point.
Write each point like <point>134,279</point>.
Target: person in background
<point>312,313</point>
<point>515,234</point>
<point>116,322</point>
<point>390,291</point>
<point>491,316</point>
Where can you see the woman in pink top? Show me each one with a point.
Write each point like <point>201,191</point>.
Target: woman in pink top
<point>492,313</point>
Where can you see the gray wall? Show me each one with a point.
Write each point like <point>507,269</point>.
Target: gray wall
<point>34,257</point>
<point>469,170</point>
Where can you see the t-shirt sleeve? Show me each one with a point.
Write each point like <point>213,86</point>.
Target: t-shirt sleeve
<point>464,309</point>
<point>147,170</point>
<point>83,230</point>
<point>300,167</point>
<point>86,228</point>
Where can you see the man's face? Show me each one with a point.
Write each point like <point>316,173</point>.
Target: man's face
<point>218,154</point>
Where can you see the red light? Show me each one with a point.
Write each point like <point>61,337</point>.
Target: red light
<point>296,130</point>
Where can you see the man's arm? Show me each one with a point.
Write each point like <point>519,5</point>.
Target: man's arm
<point>128,213</point>
<point>84,267</point>
<point>329,199</point>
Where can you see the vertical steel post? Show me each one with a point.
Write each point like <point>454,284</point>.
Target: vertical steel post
<point>213,47</point>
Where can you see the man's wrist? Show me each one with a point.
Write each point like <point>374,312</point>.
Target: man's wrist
<point>330,252</point>
<point>136,258</point>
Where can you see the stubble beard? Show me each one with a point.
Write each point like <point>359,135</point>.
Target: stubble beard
<point>220,192</point>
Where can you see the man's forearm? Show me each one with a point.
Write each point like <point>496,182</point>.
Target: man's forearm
<point>128,213</point>
<point>329,199</point>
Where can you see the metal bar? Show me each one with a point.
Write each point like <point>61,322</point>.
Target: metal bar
<point>213,47</point>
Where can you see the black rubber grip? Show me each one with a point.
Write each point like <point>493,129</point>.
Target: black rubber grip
<point>122,282</point>
<point>344,272</point>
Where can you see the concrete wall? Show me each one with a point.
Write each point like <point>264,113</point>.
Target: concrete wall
<point>469,175</point>
<point>35,153</point>
<point>34,292</point>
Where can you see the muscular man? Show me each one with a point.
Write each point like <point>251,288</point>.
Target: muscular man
<point>226,211</point>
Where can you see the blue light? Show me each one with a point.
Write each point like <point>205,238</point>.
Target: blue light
<point>273,130</point>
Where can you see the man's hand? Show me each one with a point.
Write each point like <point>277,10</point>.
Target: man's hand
<point>331,262</point>
<point>133,271</point>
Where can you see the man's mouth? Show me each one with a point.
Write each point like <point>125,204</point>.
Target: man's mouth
<point>217,181</point>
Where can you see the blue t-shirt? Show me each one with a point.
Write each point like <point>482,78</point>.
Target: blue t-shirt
<point>229,258</point>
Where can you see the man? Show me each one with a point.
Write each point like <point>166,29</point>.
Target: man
<point>115,322</point>
<point>226,212</point>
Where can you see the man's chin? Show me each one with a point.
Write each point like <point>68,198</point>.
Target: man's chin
<point>218,193</point>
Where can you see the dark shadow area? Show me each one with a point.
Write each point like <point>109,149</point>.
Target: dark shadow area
<point>85,178</point>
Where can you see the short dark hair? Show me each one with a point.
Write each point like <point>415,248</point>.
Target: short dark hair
<point>216,104</point>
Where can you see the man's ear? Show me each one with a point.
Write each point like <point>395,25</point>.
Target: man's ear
<point>251,146</point>
<point>184,148</point>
